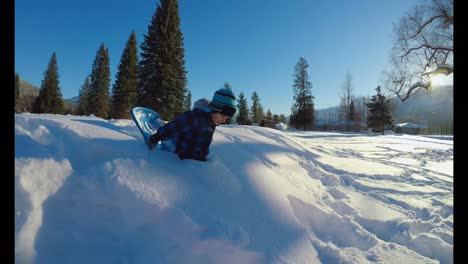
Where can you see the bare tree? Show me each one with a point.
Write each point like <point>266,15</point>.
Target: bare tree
<point>363,100</point>
<point>346,98</point>
<point>423,46</point>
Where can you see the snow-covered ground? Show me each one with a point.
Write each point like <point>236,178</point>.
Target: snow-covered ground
<point>87,190</point>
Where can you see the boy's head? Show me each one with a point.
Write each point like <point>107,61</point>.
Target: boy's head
<point>223,102</point>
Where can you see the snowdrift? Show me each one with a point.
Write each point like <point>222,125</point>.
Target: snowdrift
<point>87,190</point>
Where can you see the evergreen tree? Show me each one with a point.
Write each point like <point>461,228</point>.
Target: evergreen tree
<point>275,118</point>
<point>98,97</point>
<point>124,91</point>
<point>50,96</point>
<point>269,115</point>
<point>162,75</point>
<point>227,86</point>
<point>83,108</point>
<point>188,101</point>
<point>379,109</point>
<point>261,112</point>
<point>282,119</point>
<point>302,111</point>
<point>269,118</point>
<point>17,94</point>
<point>256,110</point>
<point>243,115</point>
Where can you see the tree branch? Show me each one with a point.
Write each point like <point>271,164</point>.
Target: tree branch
<point>420,29</point>
<point>413,87</point>
<point>426,46</point>
<point>441,69</point>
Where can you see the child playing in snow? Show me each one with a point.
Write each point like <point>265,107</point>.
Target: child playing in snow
<point>193,130</point>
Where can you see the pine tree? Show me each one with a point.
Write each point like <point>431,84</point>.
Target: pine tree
<point>83,108</point>
<point>261,112</point>
<point>256,111</point>
<point>227,86</point>
<point>188,101</point>
<point>243,115</point>
<point>283,119</point>
<point>50,96</point>
<point>124,91</point>
<point>162,75</point>
<point>379,109</point>
<point>302,111</point>
<point>98,97</point>
<point>275,118</point>
<point>269,118</point>
<point>17,94</point>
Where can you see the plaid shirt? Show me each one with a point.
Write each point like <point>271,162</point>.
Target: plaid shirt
<point>193,131</point>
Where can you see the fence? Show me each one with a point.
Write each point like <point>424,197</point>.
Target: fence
<point>440,129</point>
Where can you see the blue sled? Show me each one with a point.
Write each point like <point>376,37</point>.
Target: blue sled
<point>147,121</point>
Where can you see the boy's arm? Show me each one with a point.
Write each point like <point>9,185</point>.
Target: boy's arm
<point>170,130</point>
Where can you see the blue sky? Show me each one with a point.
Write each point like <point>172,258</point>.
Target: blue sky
<point>252,44</point>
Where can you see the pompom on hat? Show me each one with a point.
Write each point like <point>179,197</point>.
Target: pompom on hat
<point>224,102</point>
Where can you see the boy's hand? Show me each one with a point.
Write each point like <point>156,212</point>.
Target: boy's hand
<point>152,141</point>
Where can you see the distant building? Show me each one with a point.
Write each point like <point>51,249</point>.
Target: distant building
<point>410,128</point>
<point>281,126</point>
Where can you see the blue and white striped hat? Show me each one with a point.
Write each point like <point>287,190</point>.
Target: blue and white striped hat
<point>224,101</point>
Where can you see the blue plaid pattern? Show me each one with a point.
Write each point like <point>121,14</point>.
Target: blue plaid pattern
<point>193,131</point>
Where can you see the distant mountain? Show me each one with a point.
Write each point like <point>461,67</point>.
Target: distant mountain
<point>423,107</point>
<point>330,113</point>
<point>71,104</point>
<point>31,91</point>
<point>74,100</point>
<point>27,88</point>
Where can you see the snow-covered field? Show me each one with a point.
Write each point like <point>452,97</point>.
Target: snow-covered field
<point>87,190</point>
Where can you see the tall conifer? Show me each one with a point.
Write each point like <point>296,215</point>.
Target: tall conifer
<point>380,115</point>
<point>162,75</point>
<point>256,111</point>
<point>188,101</point>
<point>124,91</point>
<point>303,108</point>
<point>98,97</point>
<point>83,95</point>
<point>49,99</point>
<point>243,115</point>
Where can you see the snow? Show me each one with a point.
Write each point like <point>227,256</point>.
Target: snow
<point>410,125</point>
<point>281,126</point>
<point>87,190</point>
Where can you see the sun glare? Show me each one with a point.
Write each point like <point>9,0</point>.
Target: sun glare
<point>436,80</point>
